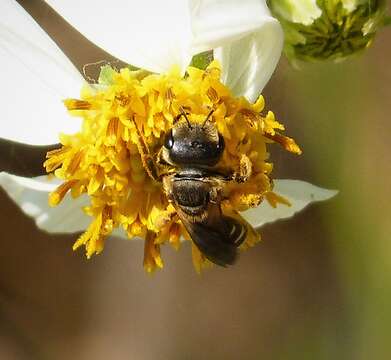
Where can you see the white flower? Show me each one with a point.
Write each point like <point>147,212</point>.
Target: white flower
<point>153,35</point>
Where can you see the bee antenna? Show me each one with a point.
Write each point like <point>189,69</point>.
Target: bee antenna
<point>207,118</point>
<point>185,116</point>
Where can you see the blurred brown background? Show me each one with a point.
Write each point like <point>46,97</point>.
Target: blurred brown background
<point>317,287</point>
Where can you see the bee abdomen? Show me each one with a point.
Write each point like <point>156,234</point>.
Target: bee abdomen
<point>237,232</point>
<point>218,242</point>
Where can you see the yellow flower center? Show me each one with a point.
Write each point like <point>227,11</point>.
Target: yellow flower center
<point>124,125</point>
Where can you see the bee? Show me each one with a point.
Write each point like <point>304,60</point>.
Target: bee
<point>196,189</point>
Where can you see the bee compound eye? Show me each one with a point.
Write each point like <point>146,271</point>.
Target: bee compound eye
<point>221,144</point>
<point>169,140</point>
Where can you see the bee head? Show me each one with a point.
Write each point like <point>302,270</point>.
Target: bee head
<point>192,143</point>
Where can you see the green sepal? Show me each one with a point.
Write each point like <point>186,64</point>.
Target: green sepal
<point>133,68</point>
<point>202,60</point>
<point>106,75</point>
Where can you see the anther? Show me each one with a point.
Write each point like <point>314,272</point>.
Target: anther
<point>76,104</point>
<point>286,142</point>
<point>57,195</point>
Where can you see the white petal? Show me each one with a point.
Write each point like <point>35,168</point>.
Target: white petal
<point>299,194</point>
<point>35,76</point>
<point>32,197</point>
<point>217,23</point>
<point>150,34</point>
<point>249,61</point>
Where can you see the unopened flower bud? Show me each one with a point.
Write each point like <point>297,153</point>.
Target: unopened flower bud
<point>328,29</point>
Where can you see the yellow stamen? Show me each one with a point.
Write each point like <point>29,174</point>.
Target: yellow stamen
<point>287,143</point>
<point>55,158</point>
<point>175,235</point>
<point>93,238</point>
<point>75,162</point>
<point>57,195</point>
<point>152,258</point>
<point>112,127</point>
<point>76,104</point>
<point>274,199</point>
<point>212,95</point>
<point>169,95</point>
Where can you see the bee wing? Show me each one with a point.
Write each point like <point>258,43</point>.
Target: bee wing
<point>218,236</point>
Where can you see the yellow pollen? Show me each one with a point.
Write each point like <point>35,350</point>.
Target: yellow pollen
<point>251,115</point>
<point>123,99</point>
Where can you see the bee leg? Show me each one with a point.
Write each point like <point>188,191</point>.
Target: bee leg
<point>147,159</point>
<point>161,163</point>
<point>215,195</point>
<point>245,170</point>
<point>167,188</point>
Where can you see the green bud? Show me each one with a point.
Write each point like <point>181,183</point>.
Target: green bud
<point>328,29</point>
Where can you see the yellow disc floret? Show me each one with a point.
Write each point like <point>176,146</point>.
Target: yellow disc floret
<point>135,110</point>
